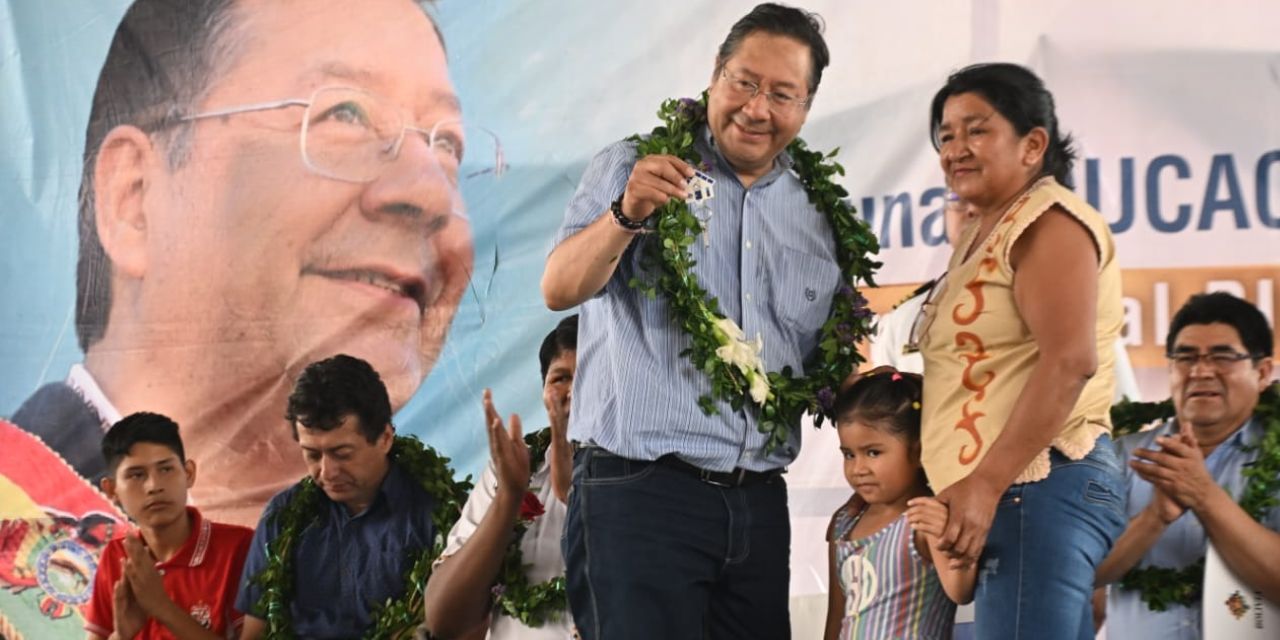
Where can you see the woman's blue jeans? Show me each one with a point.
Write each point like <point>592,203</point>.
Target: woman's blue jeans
<point>1035,577</point>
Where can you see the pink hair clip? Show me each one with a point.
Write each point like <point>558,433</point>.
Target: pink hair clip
<point>896,376</point>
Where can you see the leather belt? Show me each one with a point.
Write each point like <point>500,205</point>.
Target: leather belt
<point>737,478</point>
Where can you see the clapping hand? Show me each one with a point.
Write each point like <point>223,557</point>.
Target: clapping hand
<point>1177,471</point>
<point>556,398</point>
<point>144,579</point>
<point>507,450</point>
<point>128,614</point>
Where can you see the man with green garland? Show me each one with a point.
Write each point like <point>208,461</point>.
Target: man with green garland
<point>524,485</point>
<point>364,531</point>
<point>677,524</point>
<point>1184,477</point>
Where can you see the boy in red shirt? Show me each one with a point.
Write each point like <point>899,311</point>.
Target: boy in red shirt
<point>178,576</point>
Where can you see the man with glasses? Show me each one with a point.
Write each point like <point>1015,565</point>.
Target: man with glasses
<point>677,524</point>
<point>1185,476</point>
<point>265,184</point>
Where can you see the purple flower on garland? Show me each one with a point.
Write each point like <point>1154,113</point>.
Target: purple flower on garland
<point>688,108</point>
<point>826,399</point>
<point>498,590</point>
<point>844,332</point>
<point>860,308</point>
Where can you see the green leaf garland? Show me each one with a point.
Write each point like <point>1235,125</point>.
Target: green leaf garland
<point>669,263</point>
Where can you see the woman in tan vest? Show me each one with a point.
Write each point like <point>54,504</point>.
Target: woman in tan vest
<point>1017,344</point>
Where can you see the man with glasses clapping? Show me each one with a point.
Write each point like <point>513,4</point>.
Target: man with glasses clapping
<point>1183,478</point>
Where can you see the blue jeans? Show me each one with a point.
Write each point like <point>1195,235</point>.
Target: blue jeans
<point>1035,578</point>
<point>653,552</point>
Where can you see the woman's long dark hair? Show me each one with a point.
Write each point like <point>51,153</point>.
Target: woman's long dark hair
<point>1021,97</point>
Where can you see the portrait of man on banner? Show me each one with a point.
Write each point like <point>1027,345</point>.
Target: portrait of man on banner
<point>264,185</point>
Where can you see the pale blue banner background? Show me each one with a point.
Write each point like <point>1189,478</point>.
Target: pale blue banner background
<point>558,81</point>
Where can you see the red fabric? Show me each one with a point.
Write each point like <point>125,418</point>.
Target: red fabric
<point>46,478</point>
<point>202,579</point>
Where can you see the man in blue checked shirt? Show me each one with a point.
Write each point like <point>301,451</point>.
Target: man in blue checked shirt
<point>374,521</point>
<point>677,523</point>
<point>1185,476</point>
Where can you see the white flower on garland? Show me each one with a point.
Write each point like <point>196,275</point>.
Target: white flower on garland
<point>759,386</point>
<point>737,351</point>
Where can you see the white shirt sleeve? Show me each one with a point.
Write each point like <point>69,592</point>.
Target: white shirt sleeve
<point>893,331</point>
<point>1126,381</point>
<point>472,512</point>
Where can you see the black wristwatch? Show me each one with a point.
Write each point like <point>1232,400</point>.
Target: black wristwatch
<point>622,220</point>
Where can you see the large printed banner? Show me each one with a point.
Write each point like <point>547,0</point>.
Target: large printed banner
<point>186,245</point>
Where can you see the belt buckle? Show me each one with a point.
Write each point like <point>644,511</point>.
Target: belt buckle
<point>731,479</point>
<point>710,477</point>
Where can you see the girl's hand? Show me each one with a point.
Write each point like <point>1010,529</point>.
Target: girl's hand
<point>927,516</point>
<point>971,507</point>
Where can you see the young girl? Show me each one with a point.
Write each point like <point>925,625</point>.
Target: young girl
<point>883,581</point>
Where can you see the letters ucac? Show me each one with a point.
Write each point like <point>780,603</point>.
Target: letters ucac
<point>1174,197</point>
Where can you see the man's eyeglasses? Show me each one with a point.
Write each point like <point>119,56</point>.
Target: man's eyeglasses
<point>744,89</point>
<point>924,317</point>
<point>1219,359</point>
<point>352,135</point>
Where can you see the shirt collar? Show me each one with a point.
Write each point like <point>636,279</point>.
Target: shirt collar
<point>195,548</point>
<point>1248,435</point>
<point>82,382</point>
<point>782,163</point>
<point>395,492</point>
<point>397,488</point>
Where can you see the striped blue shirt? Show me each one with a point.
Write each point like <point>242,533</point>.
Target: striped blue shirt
<point>1183,542</point>
<point>768,256</point>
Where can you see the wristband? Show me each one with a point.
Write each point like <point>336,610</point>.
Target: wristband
<point>623,222</point>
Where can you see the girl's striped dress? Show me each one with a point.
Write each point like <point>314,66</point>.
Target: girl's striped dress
<point>889,590</point>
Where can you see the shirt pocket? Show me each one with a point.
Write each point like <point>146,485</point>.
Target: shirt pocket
<point>803,285</point>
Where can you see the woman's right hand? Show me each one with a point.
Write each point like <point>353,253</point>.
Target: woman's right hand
<point>971,507</point>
